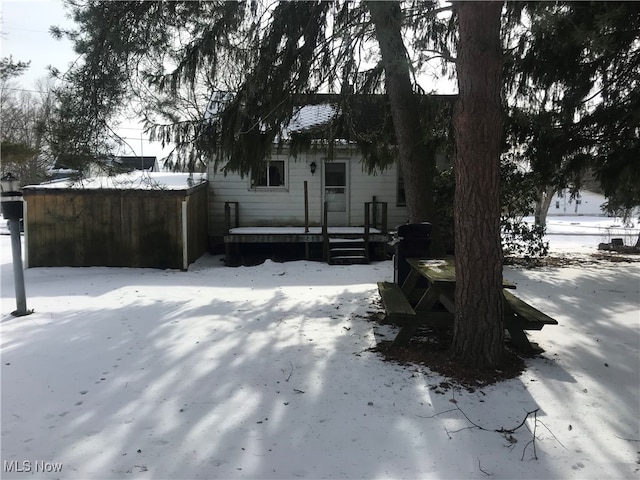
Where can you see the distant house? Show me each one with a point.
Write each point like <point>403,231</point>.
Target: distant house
<point>61,173</point>
<point>584,202</point>
<point>105,166</point>
<point>129,164</point>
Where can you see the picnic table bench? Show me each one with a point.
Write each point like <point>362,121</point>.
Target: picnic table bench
<point>412,305</point>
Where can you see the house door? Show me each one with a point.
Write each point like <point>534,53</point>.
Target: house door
<point>336,193</point>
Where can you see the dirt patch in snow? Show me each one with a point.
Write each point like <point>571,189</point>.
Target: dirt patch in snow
<point>430,347</point>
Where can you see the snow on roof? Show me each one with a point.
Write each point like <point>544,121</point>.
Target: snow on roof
<point>305,118</point>
<point>216,104</point>
<point>310,116</point>
<point>136,180</point>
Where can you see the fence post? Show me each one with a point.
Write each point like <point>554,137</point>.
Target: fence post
<point>375,212</point>
<point>325,233</point>
<point>384,218</point>
<point>185,237</point>
<point>366,229</point>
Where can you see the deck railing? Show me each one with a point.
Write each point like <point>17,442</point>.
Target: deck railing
<point>367,226</point>
<point>325,231</point>
<point>376,213</point>
<point>228,216</point>
<point>375,216</point>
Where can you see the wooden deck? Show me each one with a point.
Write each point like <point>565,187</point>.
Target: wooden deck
<point>298,234</point>
<point>338,245</point>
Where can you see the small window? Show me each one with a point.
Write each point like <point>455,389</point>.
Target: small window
<point>272,175</point>
<point>557,204</point>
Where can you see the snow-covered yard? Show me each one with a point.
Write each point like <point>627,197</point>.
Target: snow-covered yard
<point>264,372</point>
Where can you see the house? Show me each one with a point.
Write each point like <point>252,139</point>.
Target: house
<point>312,198</point>
<point>103,166</point>
<point>583,202</point>
<point>131,163</point>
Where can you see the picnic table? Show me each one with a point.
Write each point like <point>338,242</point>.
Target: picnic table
<point>427,297</point>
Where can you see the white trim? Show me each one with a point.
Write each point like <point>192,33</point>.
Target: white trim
<point>343,219</point>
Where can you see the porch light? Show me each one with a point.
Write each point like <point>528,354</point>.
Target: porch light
<point>11,197</point>
<point>313,167</point>
<point>9,183</point>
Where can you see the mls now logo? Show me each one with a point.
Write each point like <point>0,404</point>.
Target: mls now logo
<point>27,466</point>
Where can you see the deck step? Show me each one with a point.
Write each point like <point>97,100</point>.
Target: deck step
<point>347,251</point>
<point>345,240</point>
<point>349,260</point>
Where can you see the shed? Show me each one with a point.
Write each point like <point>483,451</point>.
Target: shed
<point>141,219</point>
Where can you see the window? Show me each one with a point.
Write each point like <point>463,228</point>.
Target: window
<point>272,175</point>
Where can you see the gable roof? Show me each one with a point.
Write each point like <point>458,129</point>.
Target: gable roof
<point>308,117</point>
<point>367,113</point>
<point>305,117</point>
<point>235,132</point>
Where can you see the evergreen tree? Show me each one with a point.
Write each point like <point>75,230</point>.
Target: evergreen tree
<point>573,71</point>
<point>478,340</point>
<point>264,60</point>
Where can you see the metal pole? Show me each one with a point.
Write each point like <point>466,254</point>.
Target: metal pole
<point>18,270</point>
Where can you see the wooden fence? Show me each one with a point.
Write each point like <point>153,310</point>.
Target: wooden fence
<point>115,227</point>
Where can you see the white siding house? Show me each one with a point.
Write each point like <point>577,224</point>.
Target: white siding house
<point>583,203</point>
<point>342,182</point>
<point>274,195</point>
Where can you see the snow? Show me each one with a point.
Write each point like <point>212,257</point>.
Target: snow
<point>137,179</point>
<point>305,117</point>
<point>265,372</point>
<point>310,116</point>
<point>570,234</point>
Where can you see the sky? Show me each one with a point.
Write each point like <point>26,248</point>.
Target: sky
<point>25,36</point>
<point>267,372</point>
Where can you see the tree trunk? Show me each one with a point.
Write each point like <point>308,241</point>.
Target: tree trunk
<point>418,166</point>
<point>542,206</point>
<point>478,340</point>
